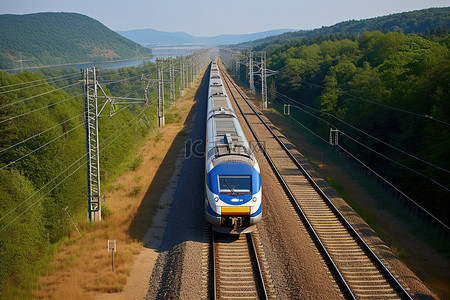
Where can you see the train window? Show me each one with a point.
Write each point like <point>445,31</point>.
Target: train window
<point>235,183</point>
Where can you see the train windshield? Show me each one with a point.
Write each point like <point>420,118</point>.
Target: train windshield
<point>235,183</point>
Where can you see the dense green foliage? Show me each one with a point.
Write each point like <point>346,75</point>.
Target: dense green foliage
<point>37,188</point>
<point>426,22</point>
<point>60,38</point>
<point>370,82</point>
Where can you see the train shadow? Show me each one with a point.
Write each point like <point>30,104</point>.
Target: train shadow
<point>143,219</point>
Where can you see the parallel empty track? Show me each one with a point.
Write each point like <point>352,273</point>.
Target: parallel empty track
<point>237,274</point>
<point>359,272</point>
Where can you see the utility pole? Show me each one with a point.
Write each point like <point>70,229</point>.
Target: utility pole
<point>171,82</point>
<point>263,80</point>
<point>21,62</point>
<point>238,67</point>
<point>91,114</point>
<point>251,80</point>
<point>287,109</point>
<point>181,76</point>
<point>160,64</point>
<point>192,72</point>
<point>334,133</point>
<point>92,145</point>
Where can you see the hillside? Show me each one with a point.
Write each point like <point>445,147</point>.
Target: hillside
<point>419,21</point>
<point>378,84</point>
<point>60,38</point>
<point>152,37</point>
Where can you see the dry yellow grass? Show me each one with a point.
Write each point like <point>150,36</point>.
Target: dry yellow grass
<point>81,268</point>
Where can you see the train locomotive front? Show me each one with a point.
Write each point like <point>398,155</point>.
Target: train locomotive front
<point>232,179</point>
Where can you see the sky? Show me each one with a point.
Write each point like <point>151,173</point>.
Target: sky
<point>214,17</point>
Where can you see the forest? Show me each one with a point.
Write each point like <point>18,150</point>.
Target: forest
<point>387,93</point>
<point>43,160</point>
<point>422,22</point>
<point>60,38</point>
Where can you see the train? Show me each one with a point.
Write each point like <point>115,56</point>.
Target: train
<point>232,175</point>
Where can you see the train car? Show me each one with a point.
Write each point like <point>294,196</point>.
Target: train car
<point>232,175</point>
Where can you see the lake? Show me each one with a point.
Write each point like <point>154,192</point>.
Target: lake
<point>171,51</point>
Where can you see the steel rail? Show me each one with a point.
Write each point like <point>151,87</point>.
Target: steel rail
<point>396,285</point>
<point>259,283</point>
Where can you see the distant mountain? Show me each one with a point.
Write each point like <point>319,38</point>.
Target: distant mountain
<point>152,37</point>
<point>418,21</point>
<point>60,38</point>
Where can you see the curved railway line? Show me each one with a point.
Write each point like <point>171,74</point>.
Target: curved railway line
<point>356,268</point>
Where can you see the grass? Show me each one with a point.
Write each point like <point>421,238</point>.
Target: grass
<point>24,289</point>
<point>383,200</point>
<point>136,163</point>
<point>135,191</point>
<point>172,118</point>
<point>159,136</point>
<point>80,267</point>
<point>106,211</point>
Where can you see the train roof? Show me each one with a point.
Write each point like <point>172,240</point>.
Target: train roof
<point>227,135</point>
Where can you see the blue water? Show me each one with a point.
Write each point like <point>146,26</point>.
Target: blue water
<point>111,65</point>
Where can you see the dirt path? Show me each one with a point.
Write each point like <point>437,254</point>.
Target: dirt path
<point>138,282</point>
<point>139,200</point>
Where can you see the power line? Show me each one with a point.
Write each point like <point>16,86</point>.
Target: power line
<point>62,172</point>
<point>34,203</point>
<point>40,147</point>
<point>38,109</point>
<point>394,187</point>
<point>33,81</point>
<point>37,134</point>
<point>391,160</point>
<point>103,142</point>
<point>119,80</point>
<point>306,128</point>
<point>379,104</point>
<point>39,84</point>
<point>35,96</point>
<point>365,133</point>
<point>360,143</point>
<point>35,193</point>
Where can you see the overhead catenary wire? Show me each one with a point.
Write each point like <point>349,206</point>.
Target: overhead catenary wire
<point>34,203</point>
<point>39,84</point>
<point>48,183</point>
<point>367,147</point>
<point>43,79</point>
<point>361,131</point>
<point>42,94</point>
<point>428,117</point>
<point>38,134</point>
<point>131,122</point>
<point>394,187</point>
<point>380,104</point>
<point>391,160</point>
<point>118,80</point>
<point>65,170</point>
<point>38,109</point>
<point>40,147</point>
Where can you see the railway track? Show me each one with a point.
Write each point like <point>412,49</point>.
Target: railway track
<point>358,271</point>
<point>237,273</point>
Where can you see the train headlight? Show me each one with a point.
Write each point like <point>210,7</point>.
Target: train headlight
<point>254,199</point>
<point>216,199</point>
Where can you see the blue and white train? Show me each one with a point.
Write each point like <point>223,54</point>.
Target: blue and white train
<point>232,179</point>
